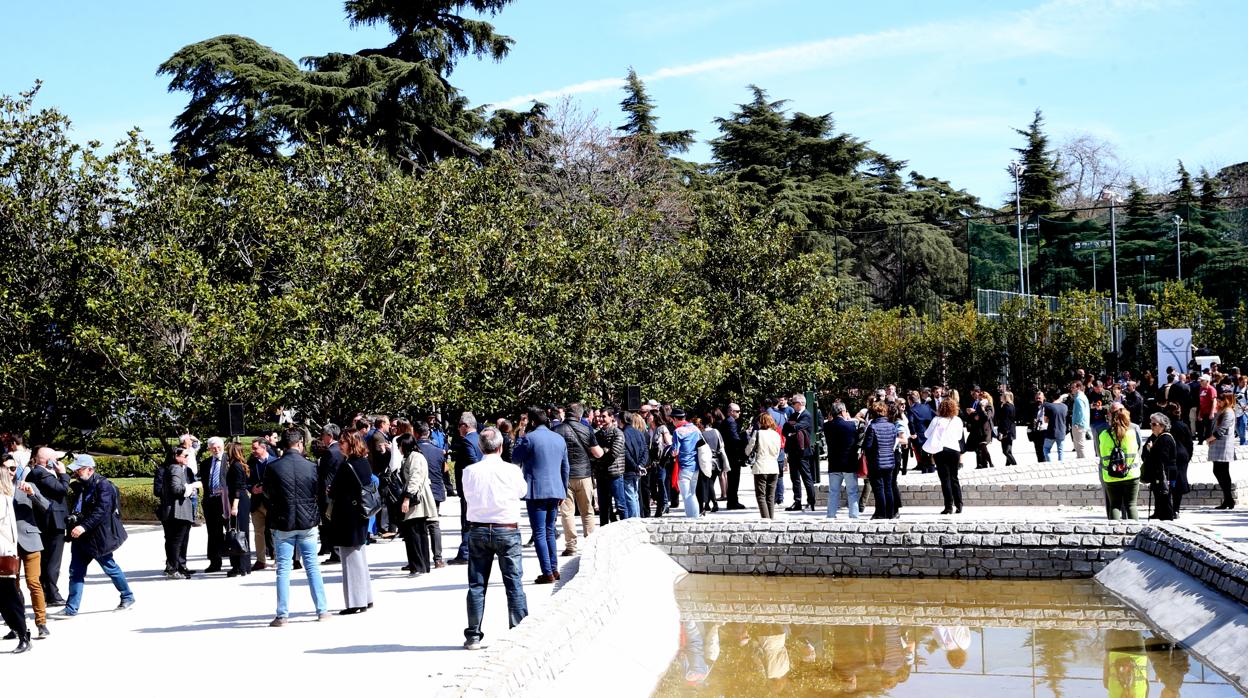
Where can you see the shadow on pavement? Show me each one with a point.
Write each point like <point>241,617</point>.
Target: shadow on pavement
<point>370,649</point>
<point>236,622</point>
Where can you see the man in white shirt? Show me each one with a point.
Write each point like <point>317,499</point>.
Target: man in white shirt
<point>493,489</point>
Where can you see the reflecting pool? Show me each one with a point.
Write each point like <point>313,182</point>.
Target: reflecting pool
<point>802,636</point>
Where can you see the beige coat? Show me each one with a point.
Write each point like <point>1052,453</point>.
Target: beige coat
<point>415,474</point>
<point>764,445</point>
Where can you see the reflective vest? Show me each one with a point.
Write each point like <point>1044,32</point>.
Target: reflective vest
<point>1130,448</point>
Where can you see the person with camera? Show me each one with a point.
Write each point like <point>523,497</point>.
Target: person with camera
<point>95,531</point>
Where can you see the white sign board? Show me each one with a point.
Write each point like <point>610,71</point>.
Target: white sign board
<point>1174,348</point>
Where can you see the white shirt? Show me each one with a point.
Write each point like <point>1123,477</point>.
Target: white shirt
<point>493,488</point>
<point>943,433</point>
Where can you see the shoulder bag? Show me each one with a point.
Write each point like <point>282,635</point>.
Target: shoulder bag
<point>235,540</point>
<point>368,503</point>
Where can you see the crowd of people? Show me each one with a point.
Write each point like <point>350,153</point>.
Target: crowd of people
<point>288,498</point>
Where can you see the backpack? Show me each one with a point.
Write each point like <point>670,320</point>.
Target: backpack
<point>1117,465</point>
<point>158,482</point>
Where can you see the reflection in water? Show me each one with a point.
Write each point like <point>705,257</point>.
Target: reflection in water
<point>797,637</point>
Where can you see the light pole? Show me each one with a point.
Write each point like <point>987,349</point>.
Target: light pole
<point>1143,259</point>
<point>1178,245</point>
<point>1093,245</point>
<point>1112,197</point>
<point>1017,168</point>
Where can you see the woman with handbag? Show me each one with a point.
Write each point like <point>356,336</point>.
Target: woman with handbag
<point>707,484</point>
<point>417,506</point>
<point>1182,434</point>
<point>1222,445</point>
<point>238,532</point>
<point>11,606</point>
<point>1160,462</point>
<point>944,443</point>
<point>1006,428</point>
<point>762,451</point>
<point>348,524</point>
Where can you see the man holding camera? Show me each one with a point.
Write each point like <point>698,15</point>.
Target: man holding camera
<point>95,529</point>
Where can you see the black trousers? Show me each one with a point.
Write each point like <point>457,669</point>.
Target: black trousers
<point>177,535</point>
<point>705,490</point>
<point>1222,471</point>
<point>53,550</point>
<point>1037,440</point>
<point>1007,448</point>
<point>12,609</point>
<point>214,521</point>
<point>982,459</point>
<point>416,543</point>
<point>947,463</point>
<point>734,480</point>
<point>1163,506</point>
<point>242,563</point>
<point>433,527</point>
<point>800,474</point>
<point>605,484</point>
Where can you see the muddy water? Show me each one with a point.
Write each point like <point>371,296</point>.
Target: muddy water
<point>761,636</point>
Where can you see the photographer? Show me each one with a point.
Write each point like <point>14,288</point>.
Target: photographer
<point>94,526</point>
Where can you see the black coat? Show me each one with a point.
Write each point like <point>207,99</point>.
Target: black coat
<point>799,435</point>
<point>96,502</point>
<point>841,436</point>
<point>347,526</point>
<point>327,466</point>
<point>291,490</point>
<point>237,487</point>
<point>436,458</point>
<point>1005,421</point>
<point>920,416</point>
<point>54,488</point>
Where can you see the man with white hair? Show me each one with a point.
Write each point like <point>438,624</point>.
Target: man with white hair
<point>799,447</point>
<point>734,445</point>
<point>212,471</point>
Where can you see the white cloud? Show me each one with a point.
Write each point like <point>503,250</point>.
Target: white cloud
<point>1054,28</point>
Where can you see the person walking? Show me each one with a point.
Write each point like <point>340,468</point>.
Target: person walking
<point>290,485</point>
<point>543,459</point>
<point>11,607</point>
<point>1160,465</point>
<point>840,433</point>
<point>238,506</point>
<point>763,448</point>
<point>96,534</point>
<point>944,443</point>
<point>1118,448</point>
<point>417,505</point>
<point>177,512</point>
<point>1221,439</point>
<point>348,524</point>
<point>493,489</point>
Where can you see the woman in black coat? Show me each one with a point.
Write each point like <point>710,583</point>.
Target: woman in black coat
<point>1183,437</point>
<point>348,528</point>
<point>1160,458</point>
<point>239,493</point>
<point>1006,427</point>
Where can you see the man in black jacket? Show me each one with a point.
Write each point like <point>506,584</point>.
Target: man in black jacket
<point>327,465</point>
<point>435,456</point>
<point>292,490</point>
<point>212,471</point>
<point>47,474</point>
<point>799,446</point>
<point>841,435</point>
<point>96,533</point>
<point>734,445</point>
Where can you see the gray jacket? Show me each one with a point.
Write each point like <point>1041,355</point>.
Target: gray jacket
<point>177,491</point>
<point>24,507</point>
<point>1223,449</point>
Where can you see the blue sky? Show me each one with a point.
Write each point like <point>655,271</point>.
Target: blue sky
<point>939,84</point>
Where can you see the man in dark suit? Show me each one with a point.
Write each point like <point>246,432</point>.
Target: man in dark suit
<point>543,458</point>
<point>841,435</point>
<point>48,475</point>
<point>799,446</point>
<point>919,417</point>
<point>212,471</point>
<point>734,444</point>
<point>435,456</point>
<point>465,451</point>
<point>327,465</point>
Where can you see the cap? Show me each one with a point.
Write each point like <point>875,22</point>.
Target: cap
<point>652,403</point>
<point>1205,377</point>
<point>678,413</point>
<point>82,460</point>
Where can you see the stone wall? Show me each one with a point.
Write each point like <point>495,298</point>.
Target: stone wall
<point>986,494</point>
<point>1211,561</point>
<point>970,549</point>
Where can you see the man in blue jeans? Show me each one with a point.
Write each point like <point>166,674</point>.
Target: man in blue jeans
<point>290,488</point>
<point>492,489</point>
<point>96,533</point>
<point>543,459</point>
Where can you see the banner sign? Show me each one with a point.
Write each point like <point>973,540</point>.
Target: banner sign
<point>1174,349</point>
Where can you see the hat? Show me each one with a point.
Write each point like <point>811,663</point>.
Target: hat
<point>82,460</point>
<point>1205,377</point>
<point>678,413</point>
<point>652,403</point>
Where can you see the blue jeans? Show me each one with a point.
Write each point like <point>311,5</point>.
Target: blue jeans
<point>307,542</point>
<point>780,480</point>
<point>484,544</point>
<point>689,491</point>
<point>834,493</point>
<point>628,495</point>
<point>78,562</point>
<point>543,513</point>
<point>617,494</point>
<point>1241,429</point>
<point>1048,449</point>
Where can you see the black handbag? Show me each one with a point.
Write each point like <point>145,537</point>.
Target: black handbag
<point>369,501</point>
<point>235,540</point>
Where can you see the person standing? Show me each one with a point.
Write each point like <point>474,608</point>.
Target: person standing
<point>212,472</point>
<point>96,534</point>
<point>348,524</point>
<point>543,459</point>
<point>26,502</point>
<point>1160,465</point>
<point>920,413</point>
<point>261,456</point>
<point>609,468</point>
<point>841,435</point>
<point>327,465</point>
<point>493,489</point>
<point>1006,426</point>
<point>944,443</point>
<point>48,475</point>
<point>799,448</point>
<point>1185,446</point>
<point>465,451</point>
<point>417,505</point>
<point>1055,431</point>
<point>734,444</point>
<point>290,485</point>
<point>177,511</point>
<point>1205,400</point>
<point>435,458</point>
<point>1080,419</point>
<point>636,453</point>
<point>685,440</point>
<point>879,446</point>
<point>11,607</point>
<point>583,449</point>
<point>1118,448</point>
<point>1220,435</point>
<point>238,504</point>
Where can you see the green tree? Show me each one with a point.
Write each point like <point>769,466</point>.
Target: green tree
<point>1041,182</point>
<point>641,125</point>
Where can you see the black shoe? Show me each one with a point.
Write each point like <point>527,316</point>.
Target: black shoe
<point>124,605</point>
<point>187,573</point>
<point>43,632</point>
<point>457,561</point>
<point>812,506</point>
<point>980,467</point>
<point>735,507</point>
<point>350,611</point>
<point>11,636</point>
<point>234,573</point>
<point>946,510</point>
<point>333,560</point>
<point>793,507</point>
<point>958,510</point>
<point>54,603</point>
<point>24,645</point>
<point>214,567</point>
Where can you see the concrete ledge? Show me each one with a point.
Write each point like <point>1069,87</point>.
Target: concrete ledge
<point>1214,563</point>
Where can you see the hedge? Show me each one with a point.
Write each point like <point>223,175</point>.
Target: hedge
<point>114,467</point>
<point>137,502</point>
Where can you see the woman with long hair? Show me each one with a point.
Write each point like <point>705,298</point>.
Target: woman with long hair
<point>1222,445</point>
<point>12,607</point>
<point>1118,448</point>
<point>239,508</point>
<point>348,529</point>
<point>763,447</point>
<point>715,420</point>
<point>1006,426</point>
<point>944,443</point>
<point>985,416</point>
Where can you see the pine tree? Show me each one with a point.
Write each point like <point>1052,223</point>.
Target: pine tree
<point>641,124</point>
<point>1041,181</point>
<point>1184,193</point>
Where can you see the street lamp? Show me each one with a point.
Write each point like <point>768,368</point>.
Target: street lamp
<point>1178,246</point>
<point>1093,245</point>
<point>1143,268</point>
<point>1017,168</point>
<point>1112,197</point>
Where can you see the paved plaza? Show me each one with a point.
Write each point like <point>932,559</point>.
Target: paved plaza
<point>186,636</point>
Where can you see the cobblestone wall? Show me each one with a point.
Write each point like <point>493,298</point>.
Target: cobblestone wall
<point>1209,560</point>
<point>987,494</point>
<point>894,548</point>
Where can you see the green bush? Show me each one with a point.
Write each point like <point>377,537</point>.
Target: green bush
<point>137,502</point>
<point>115,467</point>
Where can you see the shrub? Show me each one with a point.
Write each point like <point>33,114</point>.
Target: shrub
<point>137,502</point>
<point>114,467</point>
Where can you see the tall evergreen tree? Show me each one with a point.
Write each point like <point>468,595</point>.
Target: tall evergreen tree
<point>641,125</point>
<point>1041,182</point>
<point>1184,193</point>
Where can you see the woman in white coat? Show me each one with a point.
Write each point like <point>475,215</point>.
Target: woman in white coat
<point>763,448</point>
<point>417,506</point>
<point>11,606</point>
